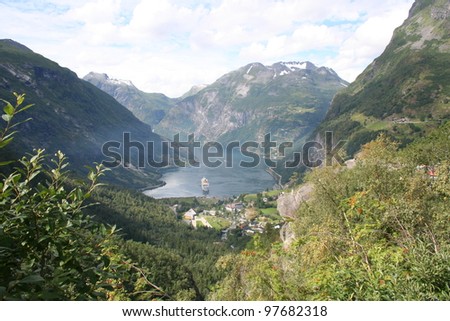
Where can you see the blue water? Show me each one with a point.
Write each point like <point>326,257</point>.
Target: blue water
<point>223,182</point>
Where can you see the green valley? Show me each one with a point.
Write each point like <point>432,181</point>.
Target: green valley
<point>375,228</point>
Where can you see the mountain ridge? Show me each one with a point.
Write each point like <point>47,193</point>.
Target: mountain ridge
<point>70,114</point>
<point>286,99</point>
<point>406,90</point>
<point>147,107</point>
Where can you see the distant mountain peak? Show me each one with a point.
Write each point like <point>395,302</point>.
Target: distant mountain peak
<point>194,90</point>
<point>286,99</point>
<point>283,68</point>
<point>148,107</point>
<point>105,78</point>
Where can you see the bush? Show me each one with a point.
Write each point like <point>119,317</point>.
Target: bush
<point>49,250</point>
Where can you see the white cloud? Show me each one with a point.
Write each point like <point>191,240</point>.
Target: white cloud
<point>161,20</point>
<point>305,38</point>
<point>367,42</point>
<point>168,46</point>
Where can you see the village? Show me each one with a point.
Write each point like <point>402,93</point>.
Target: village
<point>248,213</point>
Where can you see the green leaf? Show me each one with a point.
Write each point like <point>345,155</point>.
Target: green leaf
<point>6,163</point>
<point>16,178</point>
<point>31,279</point>
<point>9,109</point>
<point>5,142</point>
<point>7,117</point>
<point>19,123</point>
<point>19,99</point>
<point>25,108</point>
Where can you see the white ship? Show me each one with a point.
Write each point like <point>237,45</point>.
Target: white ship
<point>205,184</point>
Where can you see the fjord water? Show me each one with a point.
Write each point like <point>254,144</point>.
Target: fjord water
<point>223,181</point>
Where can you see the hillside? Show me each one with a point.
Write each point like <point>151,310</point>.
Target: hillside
<point>69,114</point>
<point>147,107</point>
<point>285,99</point>
<point>406,90</point>
<point>376,230</point>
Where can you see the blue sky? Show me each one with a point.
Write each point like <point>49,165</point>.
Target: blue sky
<point>168,46</point>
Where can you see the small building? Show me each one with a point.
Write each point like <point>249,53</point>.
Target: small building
<point>190,215</point>
<point>234,207</point>
<point>249,232</point>
<point>229,207</point>
<point>258,230</point>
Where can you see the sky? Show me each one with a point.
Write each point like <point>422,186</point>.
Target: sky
<point>168,46</point>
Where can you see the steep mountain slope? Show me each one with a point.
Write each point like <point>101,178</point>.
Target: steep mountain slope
<point>406,90</point>
<point>286,99</point>
<point>69,114</point>
<point>148,107</point>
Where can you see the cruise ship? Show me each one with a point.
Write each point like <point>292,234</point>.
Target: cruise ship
<point>205,184</point>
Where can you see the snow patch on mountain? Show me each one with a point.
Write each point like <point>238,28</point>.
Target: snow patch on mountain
<point>102,77</point>
<point>120,82</point>
<point>293,65</point>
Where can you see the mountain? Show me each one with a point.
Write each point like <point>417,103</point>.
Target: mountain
<point>193,91</point>
<point>148,107</point>
<point>70,114</point>
<point>405,91</point>
<point>286,99</point>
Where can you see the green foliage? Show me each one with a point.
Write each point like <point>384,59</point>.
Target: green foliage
<point>146,220</point>
<point>218,223</point>
<point>165,267</point>
<point>10,111</point>
<point>49,250</point>
<point>376,232</point>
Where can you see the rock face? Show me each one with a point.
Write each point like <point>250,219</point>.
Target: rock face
<point>287,206</point>
<point>286,99</point>
<point>288,203</point>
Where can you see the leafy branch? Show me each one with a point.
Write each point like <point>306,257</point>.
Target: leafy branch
<point>10,111</point>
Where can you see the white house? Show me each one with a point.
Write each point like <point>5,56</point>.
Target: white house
<point>190,215</point>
